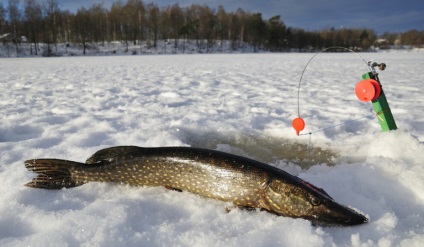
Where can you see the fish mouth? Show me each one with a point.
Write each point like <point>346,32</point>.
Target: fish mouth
<point>358,219</point>
<point>338,215</point>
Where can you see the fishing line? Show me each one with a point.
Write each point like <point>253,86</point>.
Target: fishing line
<point>329,127</point>
<point>310,60</point>
<point>339,124</point>
<point>298,95</point>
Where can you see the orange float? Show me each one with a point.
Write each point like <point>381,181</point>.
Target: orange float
<point>298,124</point>
<point>367,90</point>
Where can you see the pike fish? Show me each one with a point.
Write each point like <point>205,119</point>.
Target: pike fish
<point>212,174</point>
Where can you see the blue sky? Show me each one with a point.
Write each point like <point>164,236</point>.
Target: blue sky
<point>380,15</point>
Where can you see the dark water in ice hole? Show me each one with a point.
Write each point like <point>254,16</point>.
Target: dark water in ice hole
<point>266,149</point>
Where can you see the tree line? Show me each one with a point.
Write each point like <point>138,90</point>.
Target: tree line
<point>132,22</point>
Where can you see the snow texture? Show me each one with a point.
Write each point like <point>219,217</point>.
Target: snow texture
<point>70,107</point>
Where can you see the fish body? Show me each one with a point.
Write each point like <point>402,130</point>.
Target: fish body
<point>208,173</point>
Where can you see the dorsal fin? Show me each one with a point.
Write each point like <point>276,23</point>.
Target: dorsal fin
<point>108,155</point>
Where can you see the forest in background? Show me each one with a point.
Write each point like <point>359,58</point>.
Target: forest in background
<point>41,25</point>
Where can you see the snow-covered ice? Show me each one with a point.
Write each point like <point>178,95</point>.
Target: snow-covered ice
<point>70,107</point>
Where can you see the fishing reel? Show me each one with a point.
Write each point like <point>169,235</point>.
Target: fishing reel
<point>381,66</point>
<point>370,89</point>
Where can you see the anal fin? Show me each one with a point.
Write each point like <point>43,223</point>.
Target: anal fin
<point>172,188</point>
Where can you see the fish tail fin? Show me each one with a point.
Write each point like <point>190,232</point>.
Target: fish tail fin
<point>53,174</point>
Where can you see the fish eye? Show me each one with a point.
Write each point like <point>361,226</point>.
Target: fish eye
<point>315,201</point>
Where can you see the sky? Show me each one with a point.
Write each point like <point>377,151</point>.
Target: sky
<point>381,16</point>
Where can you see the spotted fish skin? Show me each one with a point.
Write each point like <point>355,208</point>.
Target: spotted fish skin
<point>208,173</point>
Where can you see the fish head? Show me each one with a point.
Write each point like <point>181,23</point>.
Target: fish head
<point>303,200</point>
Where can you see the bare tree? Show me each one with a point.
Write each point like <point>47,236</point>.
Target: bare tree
<point>242,20</point>
<point>207,26</point>
<point>15,18</point>
<point>222,25</point>
<point>67,22</point>
<point>134,15</point>
<point>176,18</point>
<point>33,14</point>
<point>2,19</point>
<point>99,23</point>
<point>205,23</point>
<point>153,19</point>
<point>116,21</point>
<point>82,28</point>
<point>234,30</point>
<point>51,9</point>
<point>3,27</point>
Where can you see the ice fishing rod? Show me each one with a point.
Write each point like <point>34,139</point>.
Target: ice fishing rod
<point>369,89</point>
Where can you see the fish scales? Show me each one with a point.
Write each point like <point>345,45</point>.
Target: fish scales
<point>209,173</point>
<point>199,171</point>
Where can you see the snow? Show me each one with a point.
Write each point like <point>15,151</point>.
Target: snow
<point>70,107</point>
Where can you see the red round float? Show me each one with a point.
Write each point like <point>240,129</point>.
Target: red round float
<point>367,90</point>
<point>298,124</point>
